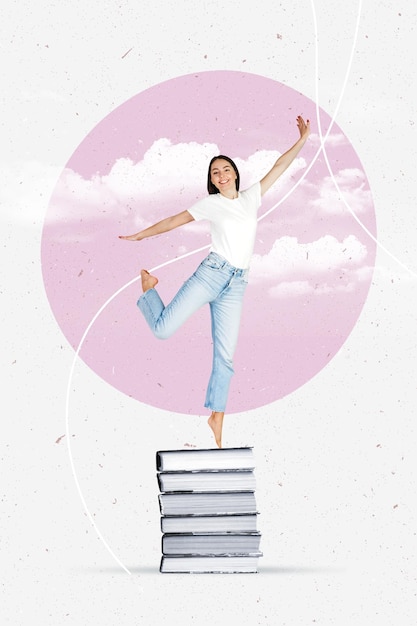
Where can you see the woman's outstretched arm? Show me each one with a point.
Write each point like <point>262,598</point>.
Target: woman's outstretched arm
<point>287,158</point>
<point>169,223</point>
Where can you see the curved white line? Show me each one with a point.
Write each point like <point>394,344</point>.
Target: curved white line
<point>323,139</point>
<point>67,431</point>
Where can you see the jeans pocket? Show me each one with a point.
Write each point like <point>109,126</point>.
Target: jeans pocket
<point>212,262</point>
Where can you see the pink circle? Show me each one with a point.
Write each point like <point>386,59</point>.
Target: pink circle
<point>147,159</point>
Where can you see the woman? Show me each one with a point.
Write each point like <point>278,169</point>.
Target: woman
<point>221,278</point>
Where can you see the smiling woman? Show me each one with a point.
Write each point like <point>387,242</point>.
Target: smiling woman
<point>223,175</point>
<point>221,278</point>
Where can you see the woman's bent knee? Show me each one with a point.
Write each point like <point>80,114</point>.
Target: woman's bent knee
<point>162,333</point>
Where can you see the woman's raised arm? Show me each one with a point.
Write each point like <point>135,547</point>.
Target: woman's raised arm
<point>287,158</point>
<point>169,223</point>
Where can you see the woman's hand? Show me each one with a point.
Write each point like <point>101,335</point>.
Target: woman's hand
<point>134,237</point>
<point>303,127</point>
<point>288,157</point>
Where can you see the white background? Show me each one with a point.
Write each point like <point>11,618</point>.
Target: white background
<point>80,539</point>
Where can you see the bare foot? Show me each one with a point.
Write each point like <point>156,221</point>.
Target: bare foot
<point>148,281</point>
<point>215,421</point>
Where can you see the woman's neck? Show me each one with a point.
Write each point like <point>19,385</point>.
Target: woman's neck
<point>230,195</point>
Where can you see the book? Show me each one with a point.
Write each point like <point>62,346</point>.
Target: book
<point>216,503</point>
<point>207,480</point>
<point>211,543</point>
<point>234,523</point>
<point>205,459</point>
<point>237,564</point>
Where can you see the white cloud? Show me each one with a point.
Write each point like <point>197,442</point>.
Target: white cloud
<point>290,259</point>
<point>288,289</point>
<point>363,274</point>
<point>355,195</point>
<point>334,140</point>
<point>165,169</point>
<point>259,163</point>
<point>73,187</point>
<point>319,267</point>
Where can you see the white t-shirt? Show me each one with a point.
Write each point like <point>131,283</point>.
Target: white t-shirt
<point>233,223</point>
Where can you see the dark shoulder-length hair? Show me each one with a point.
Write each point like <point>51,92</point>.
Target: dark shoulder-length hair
<point>212,188</point>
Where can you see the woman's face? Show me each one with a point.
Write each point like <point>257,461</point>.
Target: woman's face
<point>223,175</point>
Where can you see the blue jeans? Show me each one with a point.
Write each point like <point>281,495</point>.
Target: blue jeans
<point>221,285</point>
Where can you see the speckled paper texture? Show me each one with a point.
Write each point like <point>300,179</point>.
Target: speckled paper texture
<point>335,467</point>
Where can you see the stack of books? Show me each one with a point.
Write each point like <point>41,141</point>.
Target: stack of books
<point>208,511</point>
